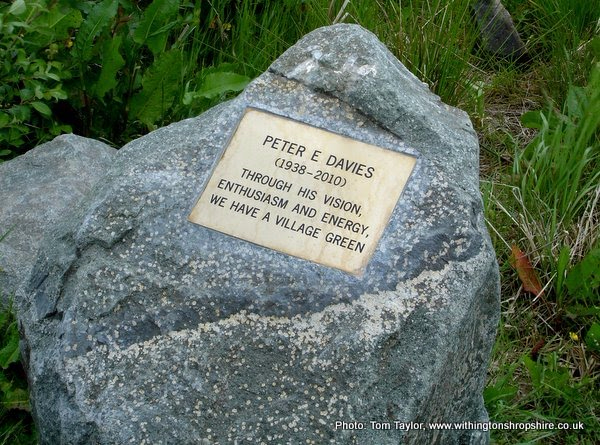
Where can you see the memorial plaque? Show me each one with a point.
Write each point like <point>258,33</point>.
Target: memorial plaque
<point>303,191</point>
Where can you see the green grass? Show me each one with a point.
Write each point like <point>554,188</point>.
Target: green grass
<point>557,176</point>
<point>538,127</point>
<point>542,193</point>
<point>16,424</point>
<point>563,37</point>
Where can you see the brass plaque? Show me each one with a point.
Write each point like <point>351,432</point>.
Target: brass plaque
<point>303,191</point>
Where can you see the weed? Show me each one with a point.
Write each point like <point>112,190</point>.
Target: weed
<point>545,360</point>
<point>559,171</point>
<point>31,79</point>
<point>16,424</point>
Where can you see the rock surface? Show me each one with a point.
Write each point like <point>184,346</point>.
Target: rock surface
<point>38,188</point>
<point>498,33</point>
<point>141,327</point>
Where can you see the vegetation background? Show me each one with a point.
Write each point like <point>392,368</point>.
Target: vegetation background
<point>116,69</point>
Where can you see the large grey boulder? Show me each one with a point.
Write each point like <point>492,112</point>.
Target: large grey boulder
<point>141,327</point>
<point>38,189</point>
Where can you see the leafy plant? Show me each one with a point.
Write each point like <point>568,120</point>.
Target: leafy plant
<point>31,80</point>
<point>551,395</point>
<point>160,85</point>
<point>592,339</point>
<point>16,425</point>
<point>583,280</point>
<point>545,358</point>
<point>583,286</point>
<point>559,173</point>
<point>104,69</point>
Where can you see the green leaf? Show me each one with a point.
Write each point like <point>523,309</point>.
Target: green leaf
<point>112,62</point>
<point>219,83</point>
<point>9,353</point>
<point>535,371</point>
<point>592,338</point>
<point>20,113</point>
<point>160,84</point>
<point>53,76</point>
<point>42,108</point>
<point>502,389</point>
<point>60,21</point>
<point>499,392</point>
<point>13,394</point>
<point>18,7</point>
<point>55,130</point>
<point>57,93</point>
<point>532,119</point>
<point>561,267</point>
<point>5,315</point>
<point>576,101</point>
<point>16,398</point>
<point>594,46</point>
<point>158,40</point>
<point>151,29</point>
<point>99,18</point>
<point>4,119</point>
<point>54,25</point>
<point>579,310</point>
<point>583,280</point>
